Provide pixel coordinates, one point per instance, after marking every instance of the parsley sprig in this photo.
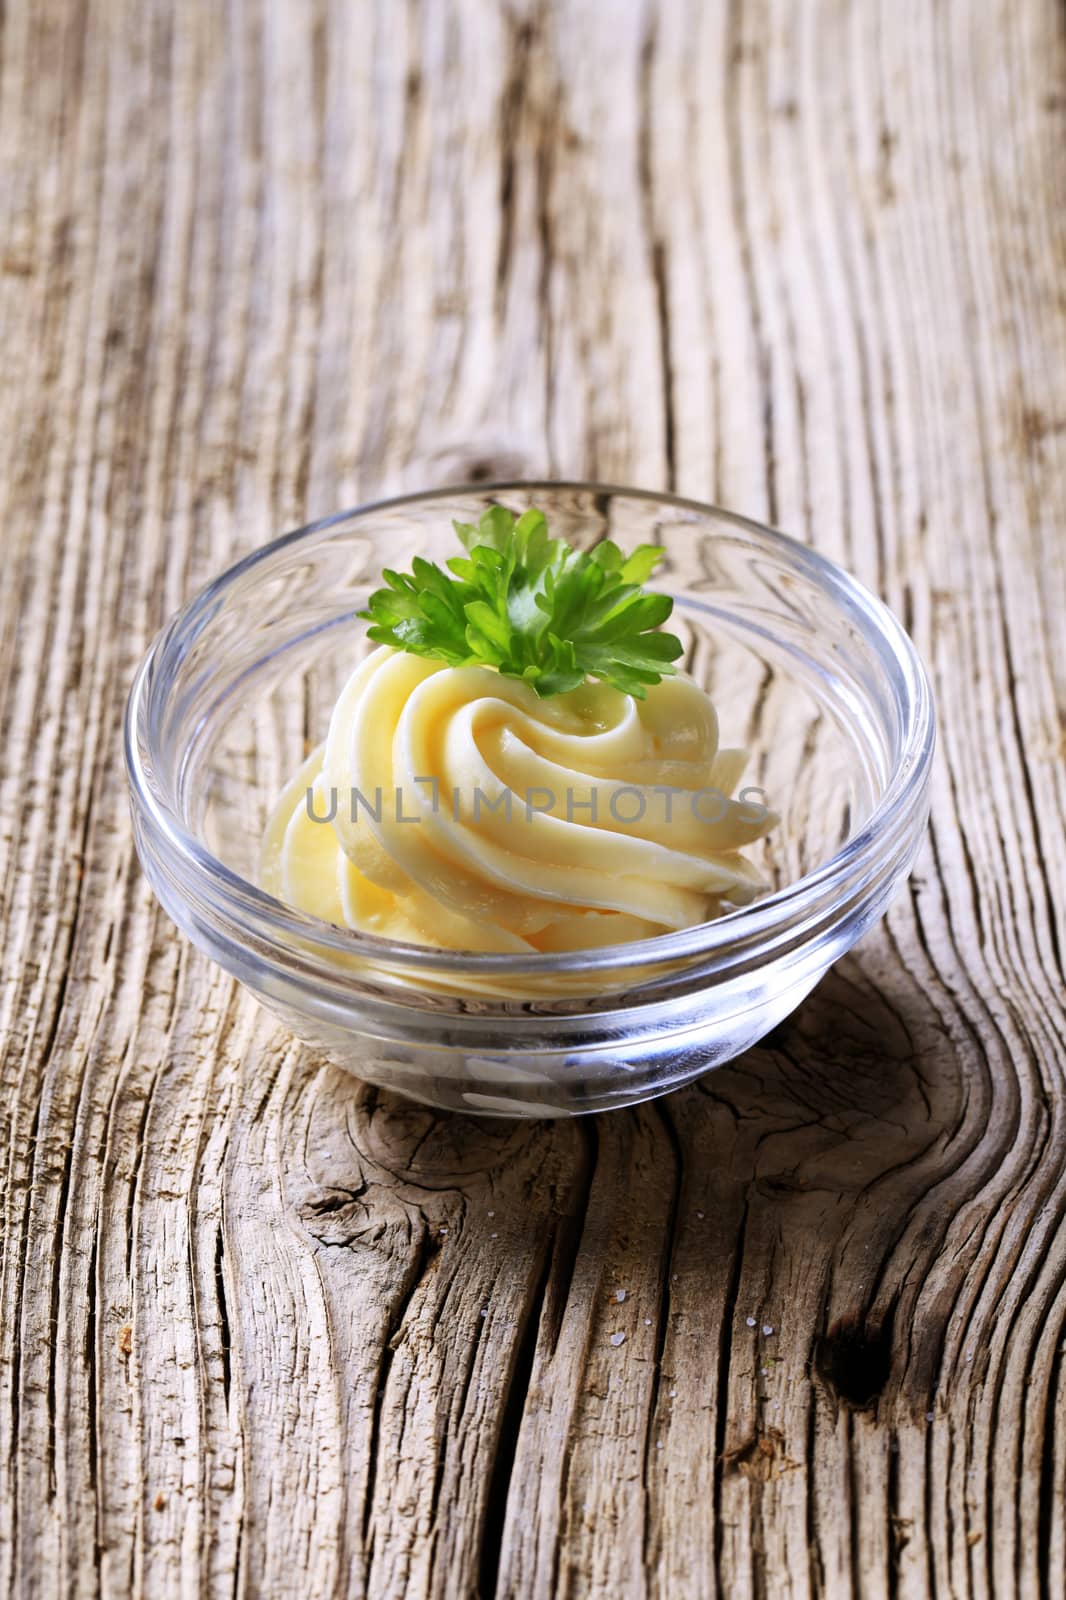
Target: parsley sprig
(532, 607)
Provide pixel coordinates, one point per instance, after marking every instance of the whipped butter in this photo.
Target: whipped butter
(453, 807)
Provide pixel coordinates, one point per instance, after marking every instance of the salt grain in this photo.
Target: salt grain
(485, 1312)
(928, 1416)
(647, 1322)
(617, 1339)
(767, 1330)
(750, 1321)
(494, 1236)
(620, 1295)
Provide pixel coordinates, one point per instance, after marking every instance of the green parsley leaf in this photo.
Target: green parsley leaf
(532, 607)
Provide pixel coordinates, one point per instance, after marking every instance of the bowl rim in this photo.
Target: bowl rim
(874, 851)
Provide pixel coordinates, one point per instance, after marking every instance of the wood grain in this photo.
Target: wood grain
(265, 1332)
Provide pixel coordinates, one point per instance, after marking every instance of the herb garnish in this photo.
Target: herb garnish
(532, 607)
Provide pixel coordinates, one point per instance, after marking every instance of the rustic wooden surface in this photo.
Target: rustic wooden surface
(264, 1332)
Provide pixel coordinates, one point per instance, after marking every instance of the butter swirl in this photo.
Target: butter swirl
(452, 807)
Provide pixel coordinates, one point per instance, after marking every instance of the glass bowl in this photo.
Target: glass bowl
(805, 668)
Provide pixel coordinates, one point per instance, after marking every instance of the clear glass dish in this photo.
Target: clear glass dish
(805, 668)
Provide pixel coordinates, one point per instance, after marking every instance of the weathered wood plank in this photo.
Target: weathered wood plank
(262, 1330)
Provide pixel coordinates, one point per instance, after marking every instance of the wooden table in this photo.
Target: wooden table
(266, 1332)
